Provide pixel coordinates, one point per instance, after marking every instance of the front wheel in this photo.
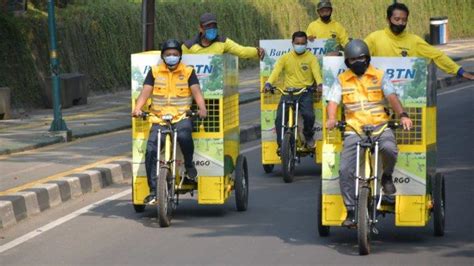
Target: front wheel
(363, 221)
(323, 230)
(288, 157)
(268, 168)
(241, 184)
(439, 196)
(165, 197)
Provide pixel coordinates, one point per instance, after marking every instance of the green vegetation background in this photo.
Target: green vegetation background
(96, 37)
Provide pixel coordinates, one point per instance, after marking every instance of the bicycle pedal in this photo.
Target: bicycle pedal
(375, 230)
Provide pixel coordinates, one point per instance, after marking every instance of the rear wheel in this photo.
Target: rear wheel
(288, 157)
(322, 229)
(363, 221)
(139, 208)
(268, 168)
(439, 197)
(241, 187)
(165, 197)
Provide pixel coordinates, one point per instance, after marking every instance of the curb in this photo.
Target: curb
(32, 201)
(29, 202)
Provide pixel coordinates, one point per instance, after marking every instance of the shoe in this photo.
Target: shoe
(279, 152)
(191, 172)
(350, 219)
(388, 187)
(310, 143)
(150, 199)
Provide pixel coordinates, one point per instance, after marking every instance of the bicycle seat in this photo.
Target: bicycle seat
(292, 90)
(167, 117)
(368, 129)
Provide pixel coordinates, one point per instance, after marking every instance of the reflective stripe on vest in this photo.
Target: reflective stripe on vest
(363, 98)
(171, 92)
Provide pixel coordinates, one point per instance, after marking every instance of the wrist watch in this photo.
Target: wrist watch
(403, 114)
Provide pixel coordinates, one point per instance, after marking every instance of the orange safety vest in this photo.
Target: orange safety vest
(171, 92)
(363, 98)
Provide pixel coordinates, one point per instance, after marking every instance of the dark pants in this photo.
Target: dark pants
(306, 111)
(185, 140)
(347, 170)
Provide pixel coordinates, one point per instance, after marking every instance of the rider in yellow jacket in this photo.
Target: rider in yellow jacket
(395, 41)
(208, 41)
(325, 27)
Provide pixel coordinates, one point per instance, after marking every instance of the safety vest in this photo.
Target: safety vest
(171, 92)
(363, 98)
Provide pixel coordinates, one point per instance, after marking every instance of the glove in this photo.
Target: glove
(268, 87)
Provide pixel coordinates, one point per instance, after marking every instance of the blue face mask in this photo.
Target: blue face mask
(299, 48)
(171, 60)
(211, 34)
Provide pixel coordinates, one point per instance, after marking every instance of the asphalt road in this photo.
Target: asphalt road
(279, 227)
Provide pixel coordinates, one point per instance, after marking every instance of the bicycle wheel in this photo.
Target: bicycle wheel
(165, 199)
(268, 168)
(323, 230)
(288, 157)
(241, 185)
(438, 194)
(363, 221)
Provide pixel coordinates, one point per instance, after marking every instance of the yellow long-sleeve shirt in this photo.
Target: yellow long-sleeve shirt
(385, 43)
(220, 46)
(300, 70)
(333, 29)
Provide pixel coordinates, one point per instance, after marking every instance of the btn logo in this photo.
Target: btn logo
(202, 163)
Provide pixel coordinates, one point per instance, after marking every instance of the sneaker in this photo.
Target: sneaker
(310, 144)
(150, 199)
(191, 172)
(388, 187)
(350, 219)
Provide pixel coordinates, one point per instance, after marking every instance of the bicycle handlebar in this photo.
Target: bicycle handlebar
(290, 91)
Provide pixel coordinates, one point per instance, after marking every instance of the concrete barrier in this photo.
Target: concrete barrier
(5, 103)
(74, 90)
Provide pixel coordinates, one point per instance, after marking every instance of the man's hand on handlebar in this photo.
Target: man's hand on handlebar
(202, 113)
(406, 123)
(331, 124)
(268, 88)
(137, 113)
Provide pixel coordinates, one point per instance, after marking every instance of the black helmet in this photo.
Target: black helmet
(323, 4)
(171, 44)
(356, 48)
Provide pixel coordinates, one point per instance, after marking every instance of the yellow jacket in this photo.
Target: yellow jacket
(333, 29)
(300, 70)
(385, 43)
(363, 98)
(171, 92)
(220, 46)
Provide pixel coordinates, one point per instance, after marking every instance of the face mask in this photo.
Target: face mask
(211, 34)
(171, 60)
(299, 48)
(326, 19)
(397, 29)
(358, 67)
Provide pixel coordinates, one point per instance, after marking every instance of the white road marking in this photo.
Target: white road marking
(59, 221)
(455, 90)
(250, 149)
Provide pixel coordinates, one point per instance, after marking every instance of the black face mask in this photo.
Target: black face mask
(397, 29)
(359, 68)
(326, 18)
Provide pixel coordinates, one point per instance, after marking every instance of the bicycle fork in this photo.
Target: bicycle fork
(291, 124)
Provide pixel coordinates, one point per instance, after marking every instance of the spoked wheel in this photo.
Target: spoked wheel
(139, 208)
(241, 184)
(268, 168)
(322, 229)
(288, 157)
(165, 197)
(439, 197)
(363, 221)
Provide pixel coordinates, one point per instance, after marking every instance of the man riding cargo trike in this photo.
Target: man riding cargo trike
(176, 150)
(361, 176)
(290, 102)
